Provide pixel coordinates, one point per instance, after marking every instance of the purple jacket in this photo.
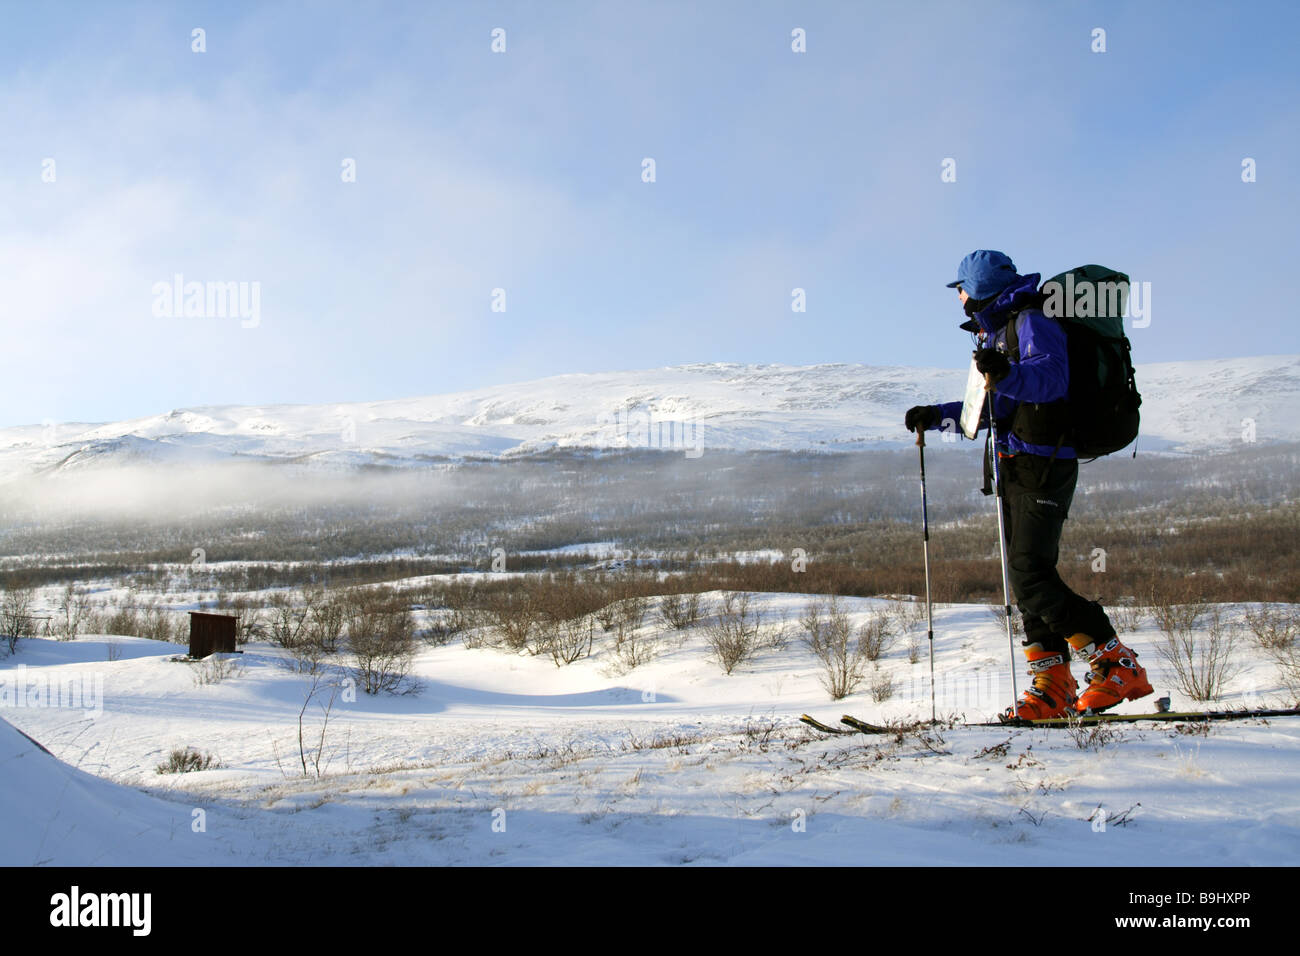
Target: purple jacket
(1041, 375)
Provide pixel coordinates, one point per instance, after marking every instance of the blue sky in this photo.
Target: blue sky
(522, 170)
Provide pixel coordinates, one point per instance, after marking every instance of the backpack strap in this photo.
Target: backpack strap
(1034, 422)
(1013, 337)
(1012, 340)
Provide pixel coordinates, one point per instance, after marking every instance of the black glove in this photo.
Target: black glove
(993, 364)
(921, 416)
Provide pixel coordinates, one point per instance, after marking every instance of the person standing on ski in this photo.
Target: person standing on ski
(1023, 356)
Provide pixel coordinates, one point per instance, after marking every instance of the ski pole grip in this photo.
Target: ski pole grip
(920, 437)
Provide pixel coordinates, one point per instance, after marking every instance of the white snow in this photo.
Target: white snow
(505, 759)
(1186, 406)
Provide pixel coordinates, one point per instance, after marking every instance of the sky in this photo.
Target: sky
(372, 173)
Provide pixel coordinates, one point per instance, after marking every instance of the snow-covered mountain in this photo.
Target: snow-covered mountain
(1187, 406)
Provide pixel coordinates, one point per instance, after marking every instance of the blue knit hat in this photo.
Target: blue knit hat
(984, 273)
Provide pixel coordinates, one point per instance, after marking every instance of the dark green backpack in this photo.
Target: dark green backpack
(1101, 414)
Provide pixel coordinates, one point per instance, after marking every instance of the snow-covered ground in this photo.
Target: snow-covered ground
(507, 759)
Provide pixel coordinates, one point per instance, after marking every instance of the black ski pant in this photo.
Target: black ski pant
(1036, 496)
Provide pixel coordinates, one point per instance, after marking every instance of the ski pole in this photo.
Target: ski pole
(925, 547)
(1002, 547)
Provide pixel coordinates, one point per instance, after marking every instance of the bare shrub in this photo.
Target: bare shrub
(16, 621)
(1201, 659)
(558, 619)
(704, 611)
(908, 619)
(999, 613)
(307, 752)
(881, 685)
(248, 625)
(249, 622)
(1175, 609)
(1288, 663)
(150, 619)
(679, 611)
(566, 640)
(476, 638)
(380, 636)
(607, 616)
(1092, 735)
(187, 760)
(325, 623)
(632, 612)
(829, 635)
(216, 668)
(288, 621)
(565, 596)
(634, 648)
(73, 613)
(679, 740)
(905, 615)
(876, 636)
(913, 647)
(733, 633)
(513, 617)
(1127, 617)
(308, 657)
(119, 621)
(449, 614)
(1194, 728)
(1274, 628)
(464, 620)
(461, 615)
(440, 629)
(159, 623)
(1276, 631)
(777, 636)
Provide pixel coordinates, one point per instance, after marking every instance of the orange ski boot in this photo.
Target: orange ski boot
(1116, 675)
(1052, 693)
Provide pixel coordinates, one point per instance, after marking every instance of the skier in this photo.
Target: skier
(1038, 481)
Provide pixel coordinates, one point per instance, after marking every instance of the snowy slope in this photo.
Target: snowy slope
(671, 763)
(1219, 403)
(1187, 405)
(55, 814)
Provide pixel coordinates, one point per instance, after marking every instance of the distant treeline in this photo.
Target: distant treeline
(1227, 523)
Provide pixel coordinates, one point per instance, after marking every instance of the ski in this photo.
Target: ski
(863, 727)
(1173, 716)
